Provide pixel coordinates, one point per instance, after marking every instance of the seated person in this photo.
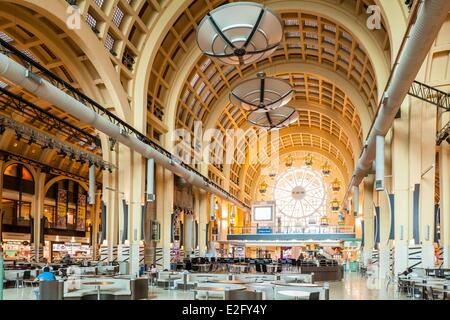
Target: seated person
(63, 273)
(45, 276)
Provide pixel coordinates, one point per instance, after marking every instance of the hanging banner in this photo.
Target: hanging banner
(61, 218)
(81, 213)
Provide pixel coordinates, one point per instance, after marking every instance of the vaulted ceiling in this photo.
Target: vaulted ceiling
(334, 74)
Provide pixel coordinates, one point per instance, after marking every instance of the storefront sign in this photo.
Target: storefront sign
(264, 230)
(81, 214)
(61, 220)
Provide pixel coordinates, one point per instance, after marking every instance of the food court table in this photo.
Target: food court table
(231, 282)
(294, 293)
(239, 267)
(204, 267)
(98, 284)
(272, 268)
(206, 276)
(217, 289)
(294, 284)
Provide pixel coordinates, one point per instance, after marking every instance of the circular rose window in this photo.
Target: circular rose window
(300, 193)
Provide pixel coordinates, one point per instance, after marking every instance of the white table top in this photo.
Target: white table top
(297, 284)
(294, 293)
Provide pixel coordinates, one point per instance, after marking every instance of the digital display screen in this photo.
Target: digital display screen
(263, 213)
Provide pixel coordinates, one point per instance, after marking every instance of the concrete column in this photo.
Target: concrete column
(368, 213)
(444, 175)
(427, 183)
(401, 190)
(159, 190)
(385, 215)
(203, 218)
(95, 211)
(166, 223)
(135, 210)
(37, 210)
(111, 197)
(188, 233)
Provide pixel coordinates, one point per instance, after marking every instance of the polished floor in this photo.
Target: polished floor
(353, 287)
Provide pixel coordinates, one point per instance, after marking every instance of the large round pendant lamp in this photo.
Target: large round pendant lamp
(261, 94)
(278, 118)
(239, 33)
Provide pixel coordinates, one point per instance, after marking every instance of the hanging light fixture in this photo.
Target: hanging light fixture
(263, 187)
(289, 161)
(309, 160)
(334, 205)
(272, 172)
(279, 118)
(261, 93)
(336, 185)
(239, 33)
(324, 221)
(326, 169)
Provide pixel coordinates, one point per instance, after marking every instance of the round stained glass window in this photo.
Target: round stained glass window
(300, 193)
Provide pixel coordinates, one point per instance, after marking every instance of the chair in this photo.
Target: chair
(243, 295)
(264, 268)
(51, 290)
(26, 276)
(139, 289)
(439, 273)
(19, 281)
(428, 294)
(314, 295)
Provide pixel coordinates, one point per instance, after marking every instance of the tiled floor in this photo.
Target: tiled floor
(353, 287)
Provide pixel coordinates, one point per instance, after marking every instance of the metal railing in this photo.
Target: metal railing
(290, 230)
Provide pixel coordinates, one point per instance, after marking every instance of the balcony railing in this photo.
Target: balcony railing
(291, 230)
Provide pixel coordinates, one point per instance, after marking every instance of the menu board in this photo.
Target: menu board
(71, 248)
(61, 220)
(81, 214)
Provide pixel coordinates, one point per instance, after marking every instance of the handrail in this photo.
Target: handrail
(293, 229)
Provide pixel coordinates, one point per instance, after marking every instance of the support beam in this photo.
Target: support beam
(379, 164)
(444, 180)
(203, 218)
(368, 212)
(400, 188)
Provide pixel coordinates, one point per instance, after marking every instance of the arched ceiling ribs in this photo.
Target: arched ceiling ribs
(88, 49)
(223, 75)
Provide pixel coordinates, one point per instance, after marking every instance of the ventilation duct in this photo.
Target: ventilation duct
(16, 73)
(419, 38)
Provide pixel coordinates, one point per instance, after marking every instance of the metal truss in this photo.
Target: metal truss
(6, 155)
(435, 97)
(45, 141)
(15, 103)
(431, 95)
(39, 70)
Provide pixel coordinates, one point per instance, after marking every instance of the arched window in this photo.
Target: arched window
(65, 206)
(18, 170)
(17, 209)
